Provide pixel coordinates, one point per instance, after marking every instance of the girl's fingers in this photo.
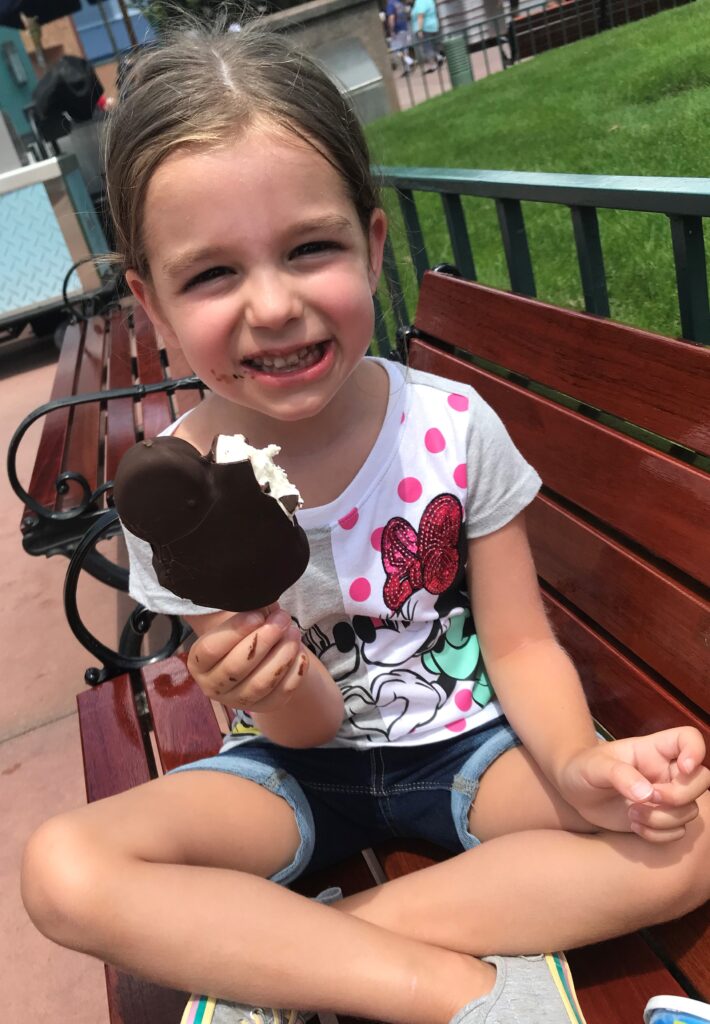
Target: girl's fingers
(252, 657)
(684, 745)
(257, 665)
(692, 749)
(684, 788)
(285, 685)
(262, 689)
(209, 649)
(605, 772)
(662, 818)
(653, 835)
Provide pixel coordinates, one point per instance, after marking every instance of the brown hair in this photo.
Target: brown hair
(201, 87)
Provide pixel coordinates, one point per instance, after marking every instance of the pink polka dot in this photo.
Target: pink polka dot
(409, 489)
(457, 726)
(434, 440)
(463, 700)
(458, 402)
(460, 475)
(360, 589)
(348, 521)
(376, 538)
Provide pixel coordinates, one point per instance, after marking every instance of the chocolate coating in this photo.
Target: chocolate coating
(217, 539)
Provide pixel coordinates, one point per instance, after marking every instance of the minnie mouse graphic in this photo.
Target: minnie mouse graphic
(421, 671)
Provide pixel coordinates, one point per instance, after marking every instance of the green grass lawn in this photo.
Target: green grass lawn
(634, 100)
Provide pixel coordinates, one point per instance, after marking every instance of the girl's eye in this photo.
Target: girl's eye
(314, 248)
(207, 275)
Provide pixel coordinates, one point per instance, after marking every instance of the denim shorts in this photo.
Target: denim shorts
(346, 800)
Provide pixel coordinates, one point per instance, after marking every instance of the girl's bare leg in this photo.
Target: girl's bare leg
(164, 881)
(538, 883)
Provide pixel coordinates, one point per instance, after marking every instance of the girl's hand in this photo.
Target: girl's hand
(647, 784)
(252, 661)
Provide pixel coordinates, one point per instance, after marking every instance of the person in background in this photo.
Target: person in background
(399, 36)
(425, 29)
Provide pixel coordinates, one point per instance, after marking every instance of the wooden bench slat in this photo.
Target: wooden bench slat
(655, 382)
(115, 760)
(623, 698)
(50, 451)
(686, 943)
(352, 875)
(183, 719)
(654, 499)
(157, 411)
(614, 586)
(615, 980)
(85, 437)
(120, 414)
(134, 1001)
(111, 739)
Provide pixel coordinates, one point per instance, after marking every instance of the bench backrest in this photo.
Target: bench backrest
(620, 530)
(89, 440)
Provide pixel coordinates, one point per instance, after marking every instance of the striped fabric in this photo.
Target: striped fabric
(199, 1010)
(562, 977)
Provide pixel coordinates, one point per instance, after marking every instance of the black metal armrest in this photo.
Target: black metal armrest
(127, 658)
(90, 499)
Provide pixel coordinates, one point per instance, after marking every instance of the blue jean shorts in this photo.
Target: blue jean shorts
(346, 800)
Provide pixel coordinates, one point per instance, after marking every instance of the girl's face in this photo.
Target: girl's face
(260, 271)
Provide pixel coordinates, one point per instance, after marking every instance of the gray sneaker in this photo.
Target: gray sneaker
(206, 1010)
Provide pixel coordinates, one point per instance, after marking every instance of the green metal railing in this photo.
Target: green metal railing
(685, 201)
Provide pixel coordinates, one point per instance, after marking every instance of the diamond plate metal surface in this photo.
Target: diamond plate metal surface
(33, 253)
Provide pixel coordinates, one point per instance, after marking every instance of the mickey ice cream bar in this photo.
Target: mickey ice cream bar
(221, 526)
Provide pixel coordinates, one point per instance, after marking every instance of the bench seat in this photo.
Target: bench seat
(616, 421)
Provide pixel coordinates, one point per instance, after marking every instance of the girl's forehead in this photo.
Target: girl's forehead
(259, 183)
(269, 149)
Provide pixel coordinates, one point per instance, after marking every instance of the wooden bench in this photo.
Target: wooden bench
(115, 383)
(81, 444)
(620, 539)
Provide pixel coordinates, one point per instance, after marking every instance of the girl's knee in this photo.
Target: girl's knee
(61, 871)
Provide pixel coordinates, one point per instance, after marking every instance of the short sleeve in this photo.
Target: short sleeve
(143, 585)
(500, 483)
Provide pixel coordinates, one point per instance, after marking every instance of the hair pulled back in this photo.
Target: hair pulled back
(202, 87)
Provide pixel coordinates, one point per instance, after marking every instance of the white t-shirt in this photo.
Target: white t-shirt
(383, 601)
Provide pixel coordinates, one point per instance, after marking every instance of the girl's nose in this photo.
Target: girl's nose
(272, 300)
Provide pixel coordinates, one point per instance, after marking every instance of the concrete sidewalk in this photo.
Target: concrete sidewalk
(40, 757)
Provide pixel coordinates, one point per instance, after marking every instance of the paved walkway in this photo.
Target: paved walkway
(40, 756)
(417, 87)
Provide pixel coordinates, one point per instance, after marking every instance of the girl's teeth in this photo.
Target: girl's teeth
(302, 359)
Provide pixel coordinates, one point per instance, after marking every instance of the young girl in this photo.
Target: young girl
(409, 684)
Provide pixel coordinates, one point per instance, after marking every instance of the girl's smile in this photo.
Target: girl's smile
(285, 366)
(265, 278)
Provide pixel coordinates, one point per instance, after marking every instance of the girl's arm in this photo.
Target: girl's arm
(533, 678)
(648, 784)
(255, 661)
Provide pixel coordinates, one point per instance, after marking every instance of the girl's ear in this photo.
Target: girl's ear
(145, 295)
(376, 238)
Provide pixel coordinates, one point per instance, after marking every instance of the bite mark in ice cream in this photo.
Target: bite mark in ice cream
(270, 477)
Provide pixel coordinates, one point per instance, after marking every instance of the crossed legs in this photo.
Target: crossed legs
(168, 881)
